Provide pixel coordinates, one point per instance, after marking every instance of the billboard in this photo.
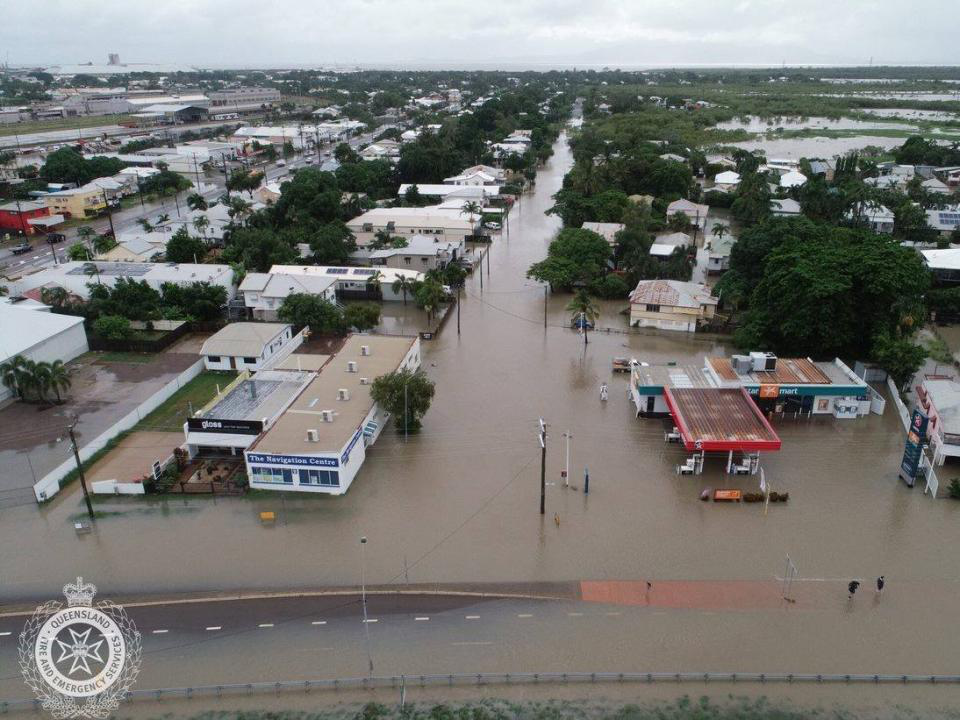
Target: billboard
(913, 449)
(236, 427)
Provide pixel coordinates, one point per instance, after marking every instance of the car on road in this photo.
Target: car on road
(308, 160)
(580, 322)
(281, 163)
(55, 237)
(492, 225)
(22, 248)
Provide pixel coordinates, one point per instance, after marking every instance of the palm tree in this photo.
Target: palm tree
(719, 229)
(584, 311)
(196, 201)
(103, 243)
(4, 290)
(145, 224)
(201, 223)
(403, 284)
(470, 209)
(163, 219)
(58, 378)
(53, 296)
(373, 282)
(11, 373)
(79, 251)
(239, 208)
(90, 269)
(85, 232)
(40, 378)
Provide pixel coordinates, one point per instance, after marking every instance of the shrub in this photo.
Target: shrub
(112, 327)
(610, 287)
(955, 489)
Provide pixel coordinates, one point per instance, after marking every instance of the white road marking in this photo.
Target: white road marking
(319, 622)
(372, 620)
(525, 615)
(473, 642)
(265, 625)
(215, 627)
(4, 634)
(575, 614)
(472, 617)
(613, 613)
(160, 632)
(421, 619)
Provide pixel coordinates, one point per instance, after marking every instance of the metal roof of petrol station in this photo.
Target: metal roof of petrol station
(713, 419)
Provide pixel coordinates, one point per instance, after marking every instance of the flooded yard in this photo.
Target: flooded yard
(816, 147)
(764, 125)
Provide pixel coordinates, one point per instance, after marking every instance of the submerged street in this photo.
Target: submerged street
(459, 503)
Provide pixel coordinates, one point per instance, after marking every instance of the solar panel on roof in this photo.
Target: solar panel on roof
(364, 272)
(124, 269)
(337, 271)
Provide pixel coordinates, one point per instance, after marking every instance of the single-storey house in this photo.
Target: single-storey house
(785, 208)
(244, 345)
(726, 181)
(697, 214)
(608, 231)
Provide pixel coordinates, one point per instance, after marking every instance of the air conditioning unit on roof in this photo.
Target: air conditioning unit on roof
(343, 394)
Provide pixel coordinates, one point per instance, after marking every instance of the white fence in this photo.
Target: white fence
(898, 403)
(49, 484)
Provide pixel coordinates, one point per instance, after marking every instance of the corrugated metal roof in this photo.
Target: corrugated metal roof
(719, 419)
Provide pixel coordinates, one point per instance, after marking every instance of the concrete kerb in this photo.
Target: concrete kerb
(21, 610)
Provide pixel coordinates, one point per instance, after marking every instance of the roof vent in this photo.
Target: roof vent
(313, 435)
(343, 394)
(351, 366)
(364, 381)
(326, 415)
(364, 349)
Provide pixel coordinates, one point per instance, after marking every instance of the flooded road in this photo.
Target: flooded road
(459, 501)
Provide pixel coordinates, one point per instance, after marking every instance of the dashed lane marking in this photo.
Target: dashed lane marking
(472, 617)
(160, 632)
(265, 625)
(4, 634)
(613, 613)
(473, 642)
(421, 619)
(319, 622)
(372, 620)
(215, 627)
(525, 615)
(574, 614)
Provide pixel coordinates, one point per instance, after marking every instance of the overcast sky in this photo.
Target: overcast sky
(278, 33)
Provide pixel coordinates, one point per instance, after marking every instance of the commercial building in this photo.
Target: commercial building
(671, 305)
(478, 175)
(244, 345)
(263, 293)
(354, 283)
(172, 113)
(478, 193)
(74, 277)
(940, 400)
(782, 386)
(410, 221)
(16, 216)
(319, 443)
(83, 202)
(37, 334)
(421, 253)
(243, 99)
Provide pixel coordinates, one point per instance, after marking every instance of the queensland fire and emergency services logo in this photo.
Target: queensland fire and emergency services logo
(81, 659)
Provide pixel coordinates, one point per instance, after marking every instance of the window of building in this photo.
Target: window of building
(213, 358)
(280, 476)
(424, 260)
(653, 308)
(406, 260)
(250, 360)
(322, 478)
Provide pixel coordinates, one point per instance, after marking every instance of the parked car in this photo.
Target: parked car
(580, 322)
(22, 248)
(492, 225)
(55, 237)
(281, 163)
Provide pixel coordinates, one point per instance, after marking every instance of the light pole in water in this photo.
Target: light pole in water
(363, 600)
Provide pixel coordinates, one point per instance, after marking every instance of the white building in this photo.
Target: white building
(664, 245)
(421, 253)
(75, 277)
(354, 281)
(243, 98)
(410, 221)
(726, 181)
(608, 231)
(478, 175)
(785, 208)
(479, 193)
(263, 293)
(320, 442)
(244, 345)
(671, 305)
(877, 217)
(37, 334)
(793, 178)
(944, 221)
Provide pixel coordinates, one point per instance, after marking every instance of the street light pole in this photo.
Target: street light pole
(363, 596)
(405, 411)
(543, 466)
(566, 473)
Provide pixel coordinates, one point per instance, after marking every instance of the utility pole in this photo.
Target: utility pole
(481, 273)
(109, 213)
(83, 480)
(566, 473)
(405, 412)
(143, 210)
(543, 466)
(363, 596)
(459, 287)
(545, 289)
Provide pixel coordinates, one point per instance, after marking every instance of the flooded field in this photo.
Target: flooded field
(913, 114)
(764, 125)
(816, 147)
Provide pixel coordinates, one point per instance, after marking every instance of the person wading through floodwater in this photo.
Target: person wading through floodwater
(852, 588)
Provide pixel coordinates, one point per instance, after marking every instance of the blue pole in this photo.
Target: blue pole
(586, 481)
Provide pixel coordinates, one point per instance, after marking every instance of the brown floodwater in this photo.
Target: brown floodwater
(459, 501)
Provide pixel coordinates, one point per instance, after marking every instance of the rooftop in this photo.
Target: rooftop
(288, 435)
(259, 397)
(411, 217)
(719, 419)
(245, 339)
(945, 396)
(947, 259)
(355, 274)
(789, 371)
(673, 293)
(24, 328)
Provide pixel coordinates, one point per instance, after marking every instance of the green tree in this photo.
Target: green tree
(258, 249)
(345, 154)
(112, 327)
(406, 395)
(13, 372)
(103, 243)
(200, 223)
(288, 150)
(752, 203)
(575, 255)
(720, 229)
(332, 243)
(899, 356)
(58, 378)
(79, 252)
(182, 248)
(318, 313)
(196, 201)
(404, 285)
(55, 297)
(583, 311)
(362, 316)
(428, 296)
(198, 300)
(679, 222)
(471, 209)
